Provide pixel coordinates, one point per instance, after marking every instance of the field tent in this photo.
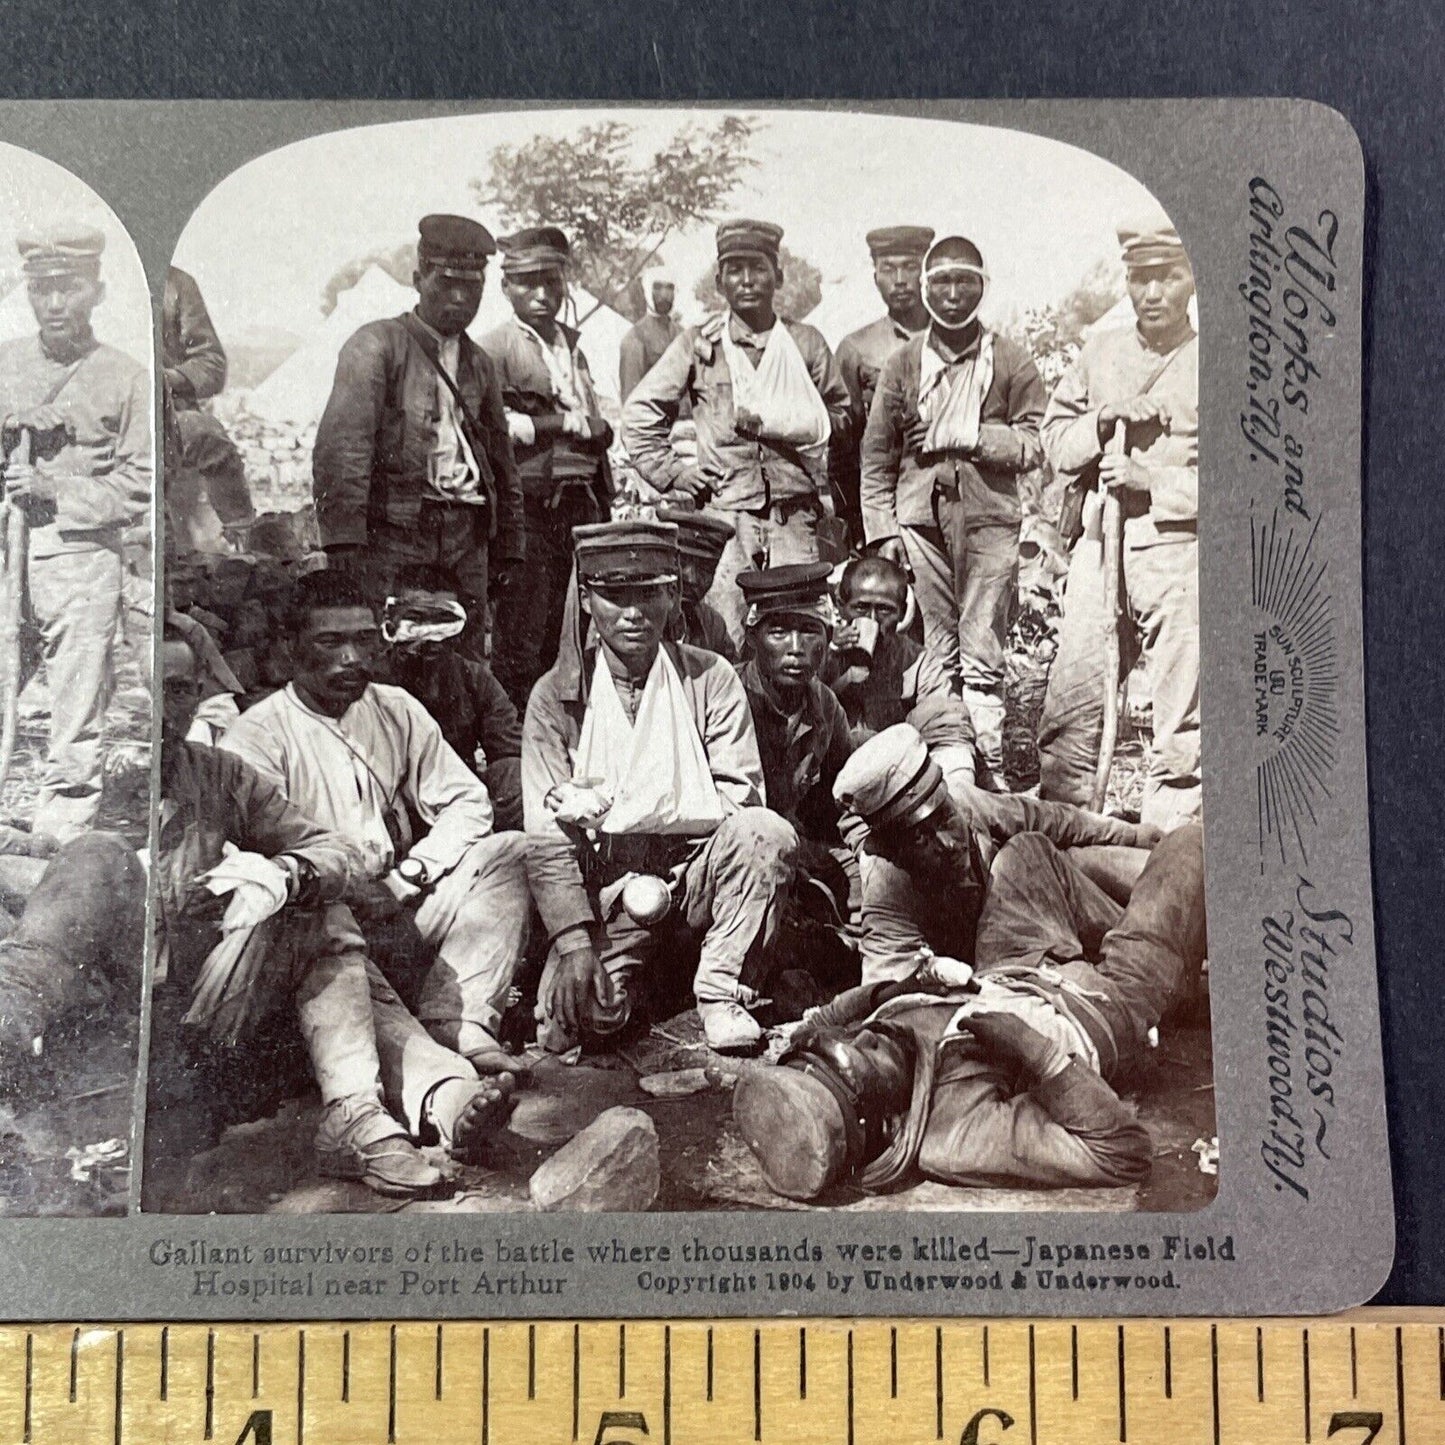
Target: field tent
(295, 393)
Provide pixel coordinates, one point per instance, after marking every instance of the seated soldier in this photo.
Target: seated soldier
(802, 733)
(368, 761)
(424, 618)
(1004, 1078)
(701, 538)
(639, 758)
(283, 890)
(882, 676)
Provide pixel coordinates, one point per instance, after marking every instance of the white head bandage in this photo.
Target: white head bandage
(406, 624)
(936, 264)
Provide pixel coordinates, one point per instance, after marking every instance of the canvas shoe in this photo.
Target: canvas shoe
(729, 1027)
(358, 1139)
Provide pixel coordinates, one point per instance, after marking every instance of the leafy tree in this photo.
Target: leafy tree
(1054, 333)
(616, 208)
(399, 262)
(800, 292)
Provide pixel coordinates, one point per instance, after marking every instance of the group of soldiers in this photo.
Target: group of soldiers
(607, 763)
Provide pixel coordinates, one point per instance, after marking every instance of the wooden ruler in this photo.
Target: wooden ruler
(1369, 1378)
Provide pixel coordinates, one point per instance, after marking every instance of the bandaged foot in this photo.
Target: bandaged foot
(358, 1139)
(1008, 1037)
(468, 1113)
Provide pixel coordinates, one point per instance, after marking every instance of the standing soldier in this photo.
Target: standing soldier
(77, 443)
(210, 474)
(561, 445)
(412, 461)
(643, 346)
(1146, 378)
(766, 397)
(953, 424)
(898, 253)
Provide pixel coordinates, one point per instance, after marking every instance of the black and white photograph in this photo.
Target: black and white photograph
(681, 675)
(76, 636)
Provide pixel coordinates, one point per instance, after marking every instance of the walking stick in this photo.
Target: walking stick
(1113, 527)
(12, 597)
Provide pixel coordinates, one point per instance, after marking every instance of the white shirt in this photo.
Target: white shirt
(452, 469)
(386, 753)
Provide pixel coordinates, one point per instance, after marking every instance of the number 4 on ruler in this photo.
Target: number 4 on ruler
(257, 1429)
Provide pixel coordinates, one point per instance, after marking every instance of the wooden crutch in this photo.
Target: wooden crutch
(1113, 529)
(12, 602)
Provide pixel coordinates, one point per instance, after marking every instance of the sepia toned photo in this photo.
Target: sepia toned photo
(681, 676)
(76, 610)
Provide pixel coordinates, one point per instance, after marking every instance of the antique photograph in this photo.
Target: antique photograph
(681, 673)
(76, 637)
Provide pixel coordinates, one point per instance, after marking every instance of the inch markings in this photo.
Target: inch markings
(1354, 1381)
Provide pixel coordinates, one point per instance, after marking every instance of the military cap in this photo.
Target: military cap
(457, 245)
(800, 589)
(534, 248)
(891, 778)
(797, 1128)
(621, 552)
(699, 534)
(62, 249)
(954, 253)
(1147, 238)
(742, 237)
(899, 241)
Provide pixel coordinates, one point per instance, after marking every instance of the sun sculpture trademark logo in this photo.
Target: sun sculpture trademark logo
(1295, 685)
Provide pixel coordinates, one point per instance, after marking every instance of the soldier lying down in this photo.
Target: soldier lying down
(999, 1073)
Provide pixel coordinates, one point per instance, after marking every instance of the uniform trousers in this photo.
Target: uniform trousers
(1160, 617)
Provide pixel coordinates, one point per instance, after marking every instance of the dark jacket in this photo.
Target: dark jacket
(801, 753)
(378, 429)
(899, 477)
(191, 352)
(527, 389)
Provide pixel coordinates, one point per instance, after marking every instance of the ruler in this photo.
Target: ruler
(1368, 1378)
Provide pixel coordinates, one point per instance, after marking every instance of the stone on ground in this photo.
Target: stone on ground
(612, 1165)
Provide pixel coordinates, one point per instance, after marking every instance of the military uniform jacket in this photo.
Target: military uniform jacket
(900, 477)
(1116, 366)
(379, 429)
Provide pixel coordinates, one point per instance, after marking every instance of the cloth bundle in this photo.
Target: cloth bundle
(950, 398)
(656, 769)
(779, 390)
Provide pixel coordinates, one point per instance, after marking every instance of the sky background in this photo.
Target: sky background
(263, 244)
(37, 192)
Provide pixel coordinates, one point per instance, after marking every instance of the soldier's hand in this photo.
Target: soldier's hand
(747, 423)
(1136, 409)
(689, 484)
(1147, 835)
(578, 978)
(1120, 471)
(24, 483)
(44, 417)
